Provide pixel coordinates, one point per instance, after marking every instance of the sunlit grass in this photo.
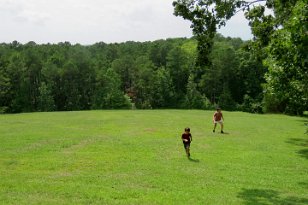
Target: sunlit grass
(137, 157)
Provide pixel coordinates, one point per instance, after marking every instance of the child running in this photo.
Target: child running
(187, 138)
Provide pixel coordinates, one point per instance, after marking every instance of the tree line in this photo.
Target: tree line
(158, 74)
(142, 75)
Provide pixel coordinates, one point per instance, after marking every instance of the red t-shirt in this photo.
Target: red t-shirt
(186, 136)
(217, 116)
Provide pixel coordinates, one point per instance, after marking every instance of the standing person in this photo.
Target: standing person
(218, 118)
(187, 138)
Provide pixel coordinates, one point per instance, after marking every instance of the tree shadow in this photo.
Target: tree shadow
(304, 184)
(303, 153)
(303, 120)
(267, 196)
(298, 142)
(302, 143)
(193, 160)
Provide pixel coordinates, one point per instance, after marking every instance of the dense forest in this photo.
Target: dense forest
(142, 75)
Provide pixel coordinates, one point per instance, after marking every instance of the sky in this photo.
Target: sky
(90, 21)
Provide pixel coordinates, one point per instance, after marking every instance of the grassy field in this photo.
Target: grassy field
(137, 157)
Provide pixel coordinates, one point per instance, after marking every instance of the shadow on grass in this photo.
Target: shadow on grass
(303, 120)
(218, 133)
(304, 184)
(302, 143)
(303, 153)
(267, 196)
(193, 160)
(298, 142)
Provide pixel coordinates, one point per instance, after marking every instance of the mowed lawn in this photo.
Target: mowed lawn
(137, 157)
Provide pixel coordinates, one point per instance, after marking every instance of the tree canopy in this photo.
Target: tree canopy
(158, 74)
(280, 34)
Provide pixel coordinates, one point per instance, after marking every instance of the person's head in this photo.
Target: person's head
(187, 129)
(218, 109)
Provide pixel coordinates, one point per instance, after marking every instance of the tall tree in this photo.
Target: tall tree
(163, 92)
(5, 86)
(126, 69)
(287, 59)
(45, 99)
(143, 86)
(223, 74)
(282, 38)
(205, 17)
(194, 99)
(15, 72)
(178, 64)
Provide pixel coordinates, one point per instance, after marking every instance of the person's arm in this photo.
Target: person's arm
(190, 137)
(183, 138)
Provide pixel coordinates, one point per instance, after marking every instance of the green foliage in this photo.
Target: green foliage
(280, 41)
(250, 73)
(5, 86)
(178, 65)
(109, 95)
(109, 76)
(163, 92)
(194, 99)
(158, 53)
(46, 101)
(271, 104)
(251, 105)
(287, 60)
(225, 100)
(125, 67)
(205, 16)
(202, 26)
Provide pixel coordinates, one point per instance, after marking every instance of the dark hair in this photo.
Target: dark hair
(187, 129)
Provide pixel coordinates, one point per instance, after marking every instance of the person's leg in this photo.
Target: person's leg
(221, 127)
(214, 126)
(187, 149)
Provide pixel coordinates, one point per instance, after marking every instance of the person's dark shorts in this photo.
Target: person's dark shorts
(186, 144)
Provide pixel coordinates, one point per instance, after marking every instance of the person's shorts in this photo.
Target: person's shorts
(186, 144)
(220, 122)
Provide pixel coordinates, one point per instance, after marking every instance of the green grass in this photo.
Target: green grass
(137, 157)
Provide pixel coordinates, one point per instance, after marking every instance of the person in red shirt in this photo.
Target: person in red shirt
(218, 118)
(187, 138)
